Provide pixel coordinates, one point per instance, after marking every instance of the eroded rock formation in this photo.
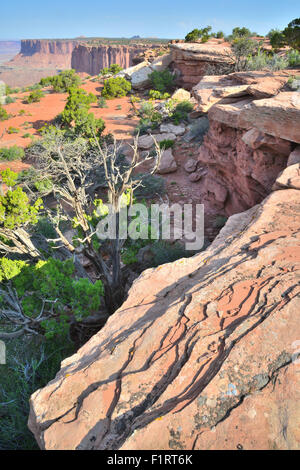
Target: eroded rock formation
(201, 355)
(250, 136)
(39, 53)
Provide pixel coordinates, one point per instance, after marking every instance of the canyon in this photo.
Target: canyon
(41, 57)
(203, 352)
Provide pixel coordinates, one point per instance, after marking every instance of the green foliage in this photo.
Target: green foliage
(293, 56)
(166, 144)
(149, 117)
(13, 130)
(241, 33)
(12, 153)
(9, 90)
(276, 38)
(102, 102)
(34, 97)
(15, 208)
(3, 114)
(157, 95)
(162, 81)
(115, 87)
(52, 281)
(292, 34)
(62, 82)
(220, 35)
(113, 69)
(181, 111)
(243, 48)
(76, 115)
(10, 99)
(197, 34)
(262, 60)
(31, 364)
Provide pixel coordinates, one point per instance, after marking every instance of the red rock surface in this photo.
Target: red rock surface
(191, 59)
(202, 355)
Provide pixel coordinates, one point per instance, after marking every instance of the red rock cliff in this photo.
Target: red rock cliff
(45, 53)
(91, 59)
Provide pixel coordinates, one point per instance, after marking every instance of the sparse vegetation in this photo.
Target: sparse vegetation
(115, 88)
(162, 81)
(4, 114)
(34, 97)
(12, 153)
(62, 82)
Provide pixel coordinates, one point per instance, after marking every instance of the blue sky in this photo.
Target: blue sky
(125, 18)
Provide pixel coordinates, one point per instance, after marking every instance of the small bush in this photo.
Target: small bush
(4, 114)
(293, 57)
(12, 153)
(157, 95)
(13, 130)
(10, 99)
(115, 88)
(27, 135)
(163, 81)
(102, 102)
(62, 82)
(166, 144)
(181, 111)
(22, 112)
(34, 97)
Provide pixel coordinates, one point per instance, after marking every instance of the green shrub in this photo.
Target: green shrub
(181, 111)
(115, 68)
(166, 144)
(62, 82)
(162, 81)
(30, 365)
(34, 97)
(102, 102)
(157, 95)
(76, 117)
(12, 153)
(293, 57)
(27, 135)
(22, 112)
(115, 87)
(9, 100)
(196, 34)
(4, 114)
(13, 130)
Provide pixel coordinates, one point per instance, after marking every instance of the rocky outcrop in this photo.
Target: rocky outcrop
(250, 136)
(191, 60)
(39, 53)
(202, 355)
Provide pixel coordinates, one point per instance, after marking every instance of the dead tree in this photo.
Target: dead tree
(72, 166)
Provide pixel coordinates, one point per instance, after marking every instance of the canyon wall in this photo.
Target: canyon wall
(91, 59)
(39, 53)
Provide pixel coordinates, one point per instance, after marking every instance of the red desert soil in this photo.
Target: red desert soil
(37, 114)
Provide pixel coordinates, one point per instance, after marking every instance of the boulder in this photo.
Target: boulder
(147, 141)
(172, 129)
(181, 95)
(201, 355)
(294, 157)
(288, 178)
(191, 165)
(137, 74)
(195, 176)
(167, 163)
(161, 63)
(213, 88)
(256, 139)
